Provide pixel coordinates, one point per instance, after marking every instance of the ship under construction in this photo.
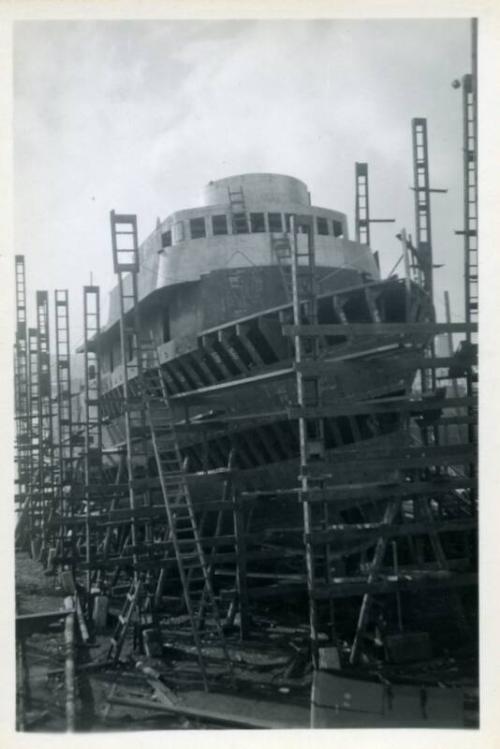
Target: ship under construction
(268, 440)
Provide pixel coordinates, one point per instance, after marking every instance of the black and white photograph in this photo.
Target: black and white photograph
(243, 351)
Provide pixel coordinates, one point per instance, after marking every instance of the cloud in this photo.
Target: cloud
(138, 116)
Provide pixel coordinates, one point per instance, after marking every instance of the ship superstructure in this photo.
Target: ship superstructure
(215, 288)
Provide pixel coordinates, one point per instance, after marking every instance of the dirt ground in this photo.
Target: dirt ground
(259, 676)
(270, 669)
(38, 593)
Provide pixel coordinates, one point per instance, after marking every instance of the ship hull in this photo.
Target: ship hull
(234, 388)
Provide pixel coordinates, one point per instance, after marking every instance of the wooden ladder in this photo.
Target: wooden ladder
(282, 252)
(237, 209)
(124, 617)
(194, 570)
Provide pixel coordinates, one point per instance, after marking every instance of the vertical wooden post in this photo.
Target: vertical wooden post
(241, 565)
(442, 563)
(305, 348)
(407, 267)
(69, 671)
(389, 515)
(395, 563)
(22, 684)
(328, 575)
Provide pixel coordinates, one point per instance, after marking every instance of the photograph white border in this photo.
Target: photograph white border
(488, 13)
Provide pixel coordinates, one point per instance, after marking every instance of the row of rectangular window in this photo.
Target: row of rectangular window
(197, 226)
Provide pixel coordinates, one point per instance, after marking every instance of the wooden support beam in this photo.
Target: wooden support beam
(124, 516)
(454, 420)
(28, 624)
(375, 491)
(354, 587)
(210, 541)
(149, 562)
(412, 359)
(379, 329)
(433, 460)
(412, 406)
(411, 456)
(371, 299)
(269, 375)
(432, 580)
(349, 531)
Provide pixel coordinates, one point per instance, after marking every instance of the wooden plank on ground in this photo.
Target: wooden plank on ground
(228, 710)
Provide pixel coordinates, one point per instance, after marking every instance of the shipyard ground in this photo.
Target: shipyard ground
(271, 685)
(265, 695)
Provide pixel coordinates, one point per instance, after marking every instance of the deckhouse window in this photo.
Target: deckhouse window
(166, 239)
(322, 225)
(219, 225)
(257, 222)
(338, 229)
(240, 225)
(275, 222)
(197, 228)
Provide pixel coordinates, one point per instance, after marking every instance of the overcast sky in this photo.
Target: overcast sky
(138, 116)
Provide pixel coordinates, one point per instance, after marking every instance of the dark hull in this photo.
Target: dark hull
(235, 387)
